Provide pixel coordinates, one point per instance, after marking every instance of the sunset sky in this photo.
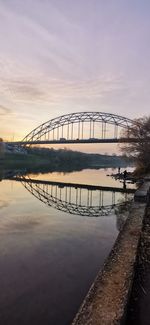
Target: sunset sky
(63, 56)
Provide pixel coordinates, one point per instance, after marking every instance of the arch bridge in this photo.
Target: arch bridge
(82, 127)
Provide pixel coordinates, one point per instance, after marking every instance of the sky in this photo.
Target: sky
(63, 56)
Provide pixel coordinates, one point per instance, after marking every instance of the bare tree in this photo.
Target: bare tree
(139, 143)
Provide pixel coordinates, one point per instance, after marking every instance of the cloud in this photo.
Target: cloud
(35, 87)
(24, 90)
(5, 110)
(22, 87)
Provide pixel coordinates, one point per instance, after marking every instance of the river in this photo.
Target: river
(54, 240)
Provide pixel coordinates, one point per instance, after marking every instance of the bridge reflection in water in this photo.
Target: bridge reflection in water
(77, 199)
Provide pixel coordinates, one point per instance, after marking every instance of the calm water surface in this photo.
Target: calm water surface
(49, 257)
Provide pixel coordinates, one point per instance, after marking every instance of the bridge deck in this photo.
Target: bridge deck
(67, 141)
(74, 185)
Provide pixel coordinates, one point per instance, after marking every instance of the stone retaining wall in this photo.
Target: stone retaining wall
(107, 299)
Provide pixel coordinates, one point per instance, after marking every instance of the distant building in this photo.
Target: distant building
(10, 149)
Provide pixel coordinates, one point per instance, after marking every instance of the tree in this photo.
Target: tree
(139, 143)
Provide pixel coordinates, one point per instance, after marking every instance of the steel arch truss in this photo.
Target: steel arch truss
(81, 117)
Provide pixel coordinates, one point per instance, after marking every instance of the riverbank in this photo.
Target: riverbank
(107, 300)
(41, 159)
(138, 308)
